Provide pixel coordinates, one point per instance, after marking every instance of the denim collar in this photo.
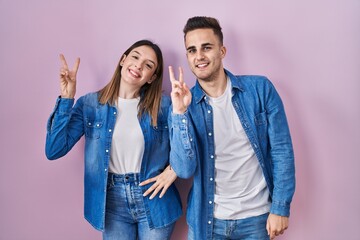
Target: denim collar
(199, 94)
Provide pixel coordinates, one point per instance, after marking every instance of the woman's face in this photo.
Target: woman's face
(138, 67)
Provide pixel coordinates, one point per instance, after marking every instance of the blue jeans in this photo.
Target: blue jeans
(125, 216)
(253, 228)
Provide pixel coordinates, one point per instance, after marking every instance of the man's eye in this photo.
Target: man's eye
(136, 57)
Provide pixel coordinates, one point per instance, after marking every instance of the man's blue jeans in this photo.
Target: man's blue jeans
(125, 216)
(253, 228)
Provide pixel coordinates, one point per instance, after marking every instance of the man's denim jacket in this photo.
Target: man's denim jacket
(262, 116)
(67, 124)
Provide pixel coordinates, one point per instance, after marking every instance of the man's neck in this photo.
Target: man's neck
(216, 87)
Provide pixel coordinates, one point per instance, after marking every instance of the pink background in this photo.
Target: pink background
(309, 49)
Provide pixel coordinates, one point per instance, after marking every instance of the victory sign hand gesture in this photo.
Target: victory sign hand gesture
(68, 78)
(180, 92)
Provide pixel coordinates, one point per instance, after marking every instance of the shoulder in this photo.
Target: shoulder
(255, 83)
(165, 101)
(90, 99)
(248, 81)
(253, 79)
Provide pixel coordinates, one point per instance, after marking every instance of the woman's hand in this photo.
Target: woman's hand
(180, 92)
(161, 182)
(68, 78)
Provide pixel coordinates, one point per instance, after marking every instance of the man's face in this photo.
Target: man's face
(204, 54)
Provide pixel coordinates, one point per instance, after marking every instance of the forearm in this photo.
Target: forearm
(59, 137)
(182, 154)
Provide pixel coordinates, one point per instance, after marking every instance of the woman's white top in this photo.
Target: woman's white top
(127, 147)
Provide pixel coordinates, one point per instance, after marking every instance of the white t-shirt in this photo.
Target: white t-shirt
(127, 147)
(240, 187)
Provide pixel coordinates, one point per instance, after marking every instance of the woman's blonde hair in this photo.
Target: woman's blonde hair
(150, 94)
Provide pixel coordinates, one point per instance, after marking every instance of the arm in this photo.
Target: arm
(182, 154)
(281, 153)
(283, 167)
(179, 140)
(64, 127)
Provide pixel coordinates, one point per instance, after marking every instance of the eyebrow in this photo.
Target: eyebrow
(202, 45)
(147, 59)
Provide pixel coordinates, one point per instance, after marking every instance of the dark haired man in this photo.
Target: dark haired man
(231, 134)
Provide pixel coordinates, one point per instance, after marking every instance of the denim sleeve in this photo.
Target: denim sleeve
(64, 128)
(282, 154)
(182, 153)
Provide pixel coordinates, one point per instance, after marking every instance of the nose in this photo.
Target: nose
(139, 65)
(199, 55)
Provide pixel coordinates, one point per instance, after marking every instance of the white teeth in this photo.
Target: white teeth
(202, 65)
(134, 73)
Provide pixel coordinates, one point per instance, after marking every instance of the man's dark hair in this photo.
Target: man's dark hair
(199, 22)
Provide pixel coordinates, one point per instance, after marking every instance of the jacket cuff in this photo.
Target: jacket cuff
(281, 209)
(64, 105)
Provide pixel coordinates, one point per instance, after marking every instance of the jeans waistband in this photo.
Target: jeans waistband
(124, 178)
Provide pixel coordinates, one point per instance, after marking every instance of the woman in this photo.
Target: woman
(126, 142)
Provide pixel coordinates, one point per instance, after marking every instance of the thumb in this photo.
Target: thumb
(268, 229)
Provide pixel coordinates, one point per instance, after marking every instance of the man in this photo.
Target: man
(231, 134)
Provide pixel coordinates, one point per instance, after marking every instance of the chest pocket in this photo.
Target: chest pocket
(261, 125)
(161, 132)
(93, 128)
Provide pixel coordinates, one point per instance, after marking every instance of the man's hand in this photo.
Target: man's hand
(161, 182)
(276, 225)
(180, 93)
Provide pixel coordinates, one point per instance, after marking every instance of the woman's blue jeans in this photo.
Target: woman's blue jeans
(125, 216)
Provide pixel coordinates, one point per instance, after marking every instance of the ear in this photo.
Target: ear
(122, 60)
(152, 79)
(223, 51)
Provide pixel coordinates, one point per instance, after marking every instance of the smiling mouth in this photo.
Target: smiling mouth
(202, 65)
(133, 73)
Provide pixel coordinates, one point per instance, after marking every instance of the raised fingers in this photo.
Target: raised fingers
(181, 75)
(63, 62)
(171, 74)
(76, 65)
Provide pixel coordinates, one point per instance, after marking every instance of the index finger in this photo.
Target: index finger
(181, 75)
(76, 65)
(150, 180)
(63, 61)
(171, 74)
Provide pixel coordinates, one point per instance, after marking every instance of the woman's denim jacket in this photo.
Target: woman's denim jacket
(67, 124)
(262, 116)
